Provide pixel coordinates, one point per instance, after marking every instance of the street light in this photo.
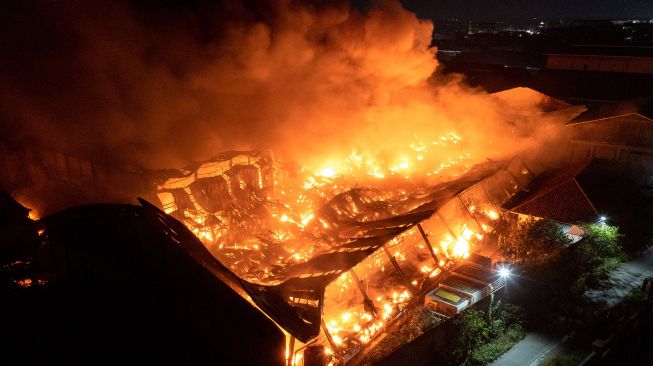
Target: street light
(504, 272)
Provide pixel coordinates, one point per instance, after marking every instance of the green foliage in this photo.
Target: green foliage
(625, 194)
(532, 241)
(553, 299)
(601, 241)
(493, 349)
(484, 336)
(596, 255)
(472, 331)
(509, 314)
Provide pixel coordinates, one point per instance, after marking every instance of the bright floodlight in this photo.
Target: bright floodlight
(602, 218)
(504, 272)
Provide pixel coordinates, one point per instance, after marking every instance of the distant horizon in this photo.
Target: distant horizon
(541, 19)
(528, 10)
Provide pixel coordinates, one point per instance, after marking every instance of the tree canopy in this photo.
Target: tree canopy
(532, 241)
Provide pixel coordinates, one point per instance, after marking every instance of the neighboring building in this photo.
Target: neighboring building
(590, 87)
(621, 132)
(558, 196)
(584, 192)
(628, 64)
(638, 60)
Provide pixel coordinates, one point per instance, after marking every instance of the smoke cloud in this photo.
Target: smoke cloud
(164, 85)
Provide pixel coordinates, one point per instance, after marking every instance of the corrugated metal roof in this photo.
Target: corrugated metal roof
(477, 273)
(463, 284)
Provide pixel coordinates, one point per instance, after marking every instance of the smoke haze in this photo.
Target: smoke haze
(165, 85)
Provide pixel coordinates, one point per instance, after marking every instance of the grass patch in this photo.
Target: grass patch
(483, 336)
(494, 348)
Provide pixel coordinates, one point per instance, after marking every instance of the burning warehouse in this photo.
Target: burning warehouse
(333, 279)
(336, 280)
(336, 275)
(354, 182)
(304, 261)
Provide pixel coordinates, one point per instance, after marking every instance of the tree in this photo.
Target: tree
(532, 241)
(601, 241)
(596, 254)
(482, 336)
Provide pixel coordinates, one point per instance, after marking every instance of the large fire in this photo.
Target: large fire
(345, 122)
(272, 217)
(356, 176)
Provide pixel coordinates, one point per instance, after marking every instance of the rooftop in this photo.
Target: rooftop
(557, 196)
(642, 106)
(607, 50)
(448, 297)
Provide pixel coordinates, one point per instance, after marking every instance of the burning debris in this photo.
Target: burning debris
(324, 260)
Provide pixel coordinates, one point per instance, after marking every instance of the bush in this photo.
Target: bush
(472, 331)
(493, 349)
(553, 298)
(596, 255)
(484, 336)
(601, 242)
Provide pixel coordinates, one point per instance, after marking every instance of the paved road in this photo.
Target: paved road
(536, 347)
(623, 280)
(529, 350)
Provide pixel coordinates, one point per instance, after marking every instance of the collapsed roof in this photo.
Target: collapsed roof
(293, 293)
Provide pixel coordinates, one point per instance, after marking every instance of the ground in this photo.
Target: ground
(621, 281)
(528, 351)
(541, 349)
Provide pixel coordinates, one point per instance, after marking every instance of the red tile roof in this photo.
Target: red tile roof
(559, 197)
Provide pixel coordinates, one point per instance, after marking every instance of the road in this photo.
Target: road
(530, 350)
(621, 281)
(535, 347)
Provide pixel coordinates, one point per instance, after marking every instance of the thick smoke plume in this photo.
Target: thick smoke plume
(164, 85)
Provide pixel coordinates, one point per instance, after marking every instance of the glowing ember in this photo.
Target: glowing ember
(493, 215)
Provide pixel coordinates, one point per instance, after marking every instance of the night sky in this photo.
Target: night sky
(526, 9)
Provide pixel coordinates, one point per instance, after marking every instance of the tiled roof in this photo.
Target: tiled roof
(556, 179)
(558, 197)
(566, 203)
